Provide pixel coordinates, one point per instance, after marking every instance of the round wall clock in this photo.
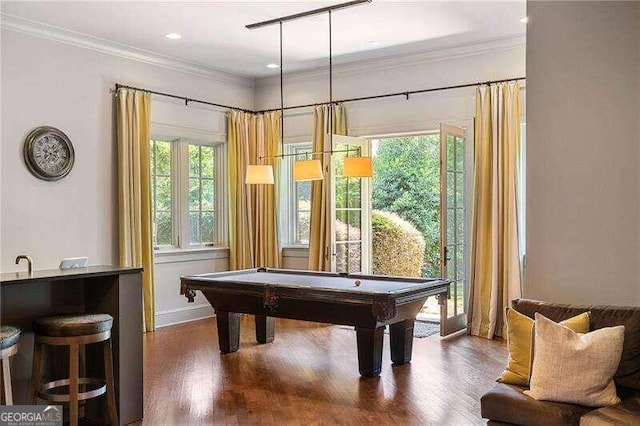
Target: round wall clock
(48, 153)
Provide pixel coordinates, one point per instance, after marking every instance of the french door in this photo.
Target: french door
(350, 210)
(453, 221)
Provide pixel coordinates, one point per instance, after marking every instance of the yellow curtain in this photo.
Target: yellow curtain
(319, 231)
(253, 233)
(134, 192)
(495, 258)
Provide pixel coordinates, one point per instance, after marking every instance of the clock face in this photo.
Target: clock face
(48, 153)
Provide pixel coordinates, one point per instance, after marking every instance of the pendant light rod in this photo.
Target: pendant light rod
(330, 87)
(307, 154)
(281, 96)
(305, 14)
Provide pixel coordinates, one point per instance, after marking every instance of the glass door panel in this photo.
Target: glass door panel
(351, 207)
(452, 225)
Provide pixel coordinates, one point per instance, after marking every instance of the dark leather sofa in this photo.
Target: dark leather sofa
(507, 405)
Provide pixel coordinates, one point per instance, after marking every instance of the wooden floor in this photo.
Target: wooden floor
(309, 375)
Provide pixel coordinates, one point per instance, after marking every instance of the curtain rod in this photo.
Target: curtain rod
(390, 95)
(364, 98)
(186, 100)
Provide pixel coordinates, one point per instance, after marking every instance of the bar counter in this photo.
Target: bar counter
(112, 290)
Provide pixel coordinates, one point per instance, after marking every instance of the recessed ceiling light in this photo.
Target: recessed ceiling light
(373, 43)
(173, 36)
(525, 20)
(272, 65)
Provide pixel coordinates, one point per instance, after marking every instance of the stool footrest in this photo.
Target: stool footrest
(45, 393)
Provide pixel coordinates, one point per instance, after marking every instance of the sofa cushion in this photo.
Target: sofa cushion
(628, 373)
(573, 367)
(506, 403)
(520, 344)
(625, 413)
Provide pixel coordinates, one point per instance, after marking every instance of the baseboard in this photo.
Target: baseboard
(182, 315)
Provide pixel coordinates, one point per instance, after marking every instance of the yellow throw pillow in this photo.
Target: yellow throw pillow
(520, 344)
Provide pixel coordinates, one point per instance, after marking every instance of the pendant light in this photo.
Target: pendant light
(263, 173)
(309, 169)
(259, 174)
(359, 167)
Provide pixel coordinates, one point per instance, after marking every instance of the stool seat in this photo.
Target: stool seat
(9, 336)
(73, 325)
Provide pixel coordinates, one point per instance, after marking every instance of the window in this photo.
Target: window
(187, 199)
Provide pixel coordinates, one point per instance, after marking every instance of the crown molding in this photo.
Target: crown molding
(86, 41)
(399, 61)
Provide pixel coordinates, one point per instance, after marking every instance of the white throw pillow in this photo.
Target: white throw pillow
(574, 367)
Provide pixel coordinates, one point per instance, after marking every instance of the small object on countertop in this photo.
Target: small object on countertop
(357, 283)
(74, 262)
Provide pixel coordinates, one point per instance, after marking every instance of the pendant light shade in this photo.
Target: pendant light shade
(361, 167)
(259, 174)
(307, 170)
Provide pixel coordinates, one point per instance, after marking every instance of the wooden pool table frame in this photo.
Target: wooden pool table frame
(369, 313)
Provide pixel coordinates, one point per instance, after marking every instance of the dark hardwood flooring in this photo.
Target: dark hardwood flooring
(309, 375)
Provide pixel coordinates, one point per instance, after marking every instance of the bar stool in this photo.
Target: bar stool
(74, 331)
(9, 337)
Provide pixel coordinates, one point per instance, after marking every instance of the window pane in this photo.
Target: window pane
(341, 225)
(163, 228)
(207, 158)
(207, 194)
(459, 190)
(450, 189)
(303, 191)
(355, 257)
(194, 227)
(194, 194)
(460, 296)
(194, 160)
(342, 188)
(451, 220)
(459, 154)
(348, 257)
(450, 152)
(163, 193)
(162, 158)
(208, 227)
(459, 226)
(354, 193)
(460, 262)
(304, 221)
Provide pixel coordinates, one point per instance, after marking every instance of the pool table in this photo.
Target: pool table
(368, 303)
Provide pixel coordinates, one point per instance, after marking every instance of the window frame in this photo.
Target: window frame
(180, 194)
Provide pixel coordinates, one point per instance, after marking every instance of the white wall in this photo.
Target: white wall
(482, 62)
(583, 163)
(51, 83)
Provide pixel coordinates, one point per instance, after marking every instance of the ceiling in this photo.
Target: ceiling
(214, 33)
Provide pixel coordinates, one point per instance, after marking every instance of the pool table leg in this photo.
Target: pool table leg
(401, 339)
(370, 350)
(265, 328)
(228, 331)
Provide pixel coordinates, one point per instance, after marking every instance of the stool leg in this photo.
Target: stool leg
(108, 370)
(73, 384)
(35, 373)
(6, 378)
